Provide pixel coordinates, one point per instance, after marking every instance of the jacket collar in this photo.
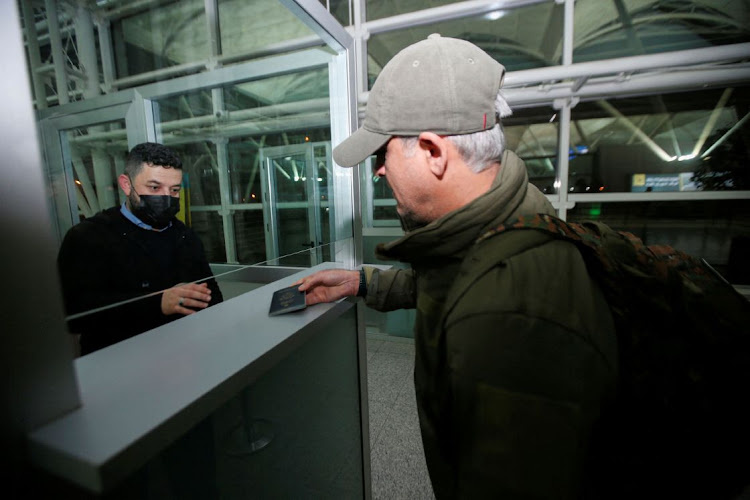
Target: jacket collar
(449, 236)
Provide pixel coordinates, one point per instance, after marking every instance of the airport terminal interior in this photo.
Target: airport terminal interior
(630, 112)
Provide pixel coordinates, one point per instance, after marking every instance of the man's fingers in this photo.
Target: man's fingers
(197, 292)
(199, 302)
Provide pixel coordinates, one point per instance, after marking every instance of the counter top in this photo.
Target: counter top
(141, 394)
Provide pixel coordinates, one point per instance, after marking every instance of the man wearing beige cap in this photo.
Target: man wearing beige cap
(515, 349)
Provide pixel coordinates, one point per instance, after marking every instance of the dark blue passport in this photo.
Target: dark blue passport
(287, 300)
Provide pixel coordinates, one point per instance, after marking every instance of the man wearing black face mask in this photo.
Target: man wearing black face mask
(136, 250)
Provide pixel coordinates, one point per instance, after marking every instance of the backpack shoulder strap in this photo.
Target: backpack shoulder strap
(479, 260)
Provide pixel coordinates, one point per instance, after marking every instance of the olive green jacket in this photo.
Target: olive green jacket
(515, 347)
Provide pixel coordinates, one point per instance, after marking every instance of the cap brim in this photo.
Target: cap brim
(357, 147)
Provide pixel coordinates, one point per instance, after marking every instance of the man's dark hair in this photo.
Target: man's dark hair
(152, 154)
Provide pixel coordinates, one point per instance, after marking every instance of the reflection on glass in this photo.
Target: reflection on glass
(673, 142)
(538, 44)
(607, 30)
(713, 230)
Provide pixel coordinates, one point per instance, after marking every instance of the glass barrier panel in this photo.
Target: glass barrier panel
(208, 226)
(265, 171)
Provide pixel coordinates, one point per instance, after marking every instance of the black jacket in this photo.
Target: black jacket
(107, 259)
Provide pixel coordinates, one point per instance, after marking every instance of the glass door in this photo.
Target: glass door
(85, 153)
(296, 210)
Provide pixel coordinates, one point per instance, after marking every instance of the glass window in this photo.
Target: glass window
(684, 141)
(159, 37)
(148, 39)
(532, 133)
(247, 27)
(378, 9)
(257, 211)
(97, 158)
(605, 30)
(341, 10)
(499, 33)
(378, 203)
(716, 230)
(207, 225)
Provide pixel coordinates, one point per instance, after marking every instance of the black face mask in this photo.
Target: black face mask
(154, 210)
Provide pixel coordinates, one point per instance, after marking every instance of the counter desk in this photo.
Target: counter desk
(296, 380)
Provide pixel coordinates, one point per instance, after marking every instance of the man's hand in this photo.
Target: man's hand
(329, 285)
(185, 298)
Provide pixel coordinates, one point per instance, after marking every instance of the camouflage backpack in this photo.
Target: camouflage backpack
(680, 427)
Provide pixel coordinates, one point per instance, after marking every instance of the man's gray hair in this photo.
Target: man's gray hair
(480, 149)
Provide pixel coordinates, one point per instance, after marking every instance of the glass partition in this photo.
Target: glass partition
(254, 138)
(250, 95)
(265, 170)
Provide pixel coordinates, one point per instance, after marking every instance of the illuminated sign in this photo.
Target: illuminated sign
(662, 182)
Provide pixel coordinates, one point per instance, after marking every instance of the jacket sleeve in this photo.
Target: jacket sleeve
(193, 265)
(390, 289)
(213, 285)
(85, 270)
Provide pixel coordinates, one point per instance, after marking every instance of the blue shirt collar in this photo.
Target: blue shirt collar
(138, 222)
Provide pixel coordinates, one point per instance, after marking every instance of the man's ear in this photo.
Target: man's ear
(436, 148)
(124, 181)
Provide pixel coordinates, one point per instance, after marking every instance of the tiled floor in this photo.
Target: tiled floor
(397, 458)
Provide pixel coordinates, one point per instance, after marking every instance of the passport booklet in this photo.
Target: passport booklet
(287, 300)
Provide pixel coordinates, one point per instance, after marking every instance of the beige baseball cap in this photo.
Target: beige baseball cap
(442, 85)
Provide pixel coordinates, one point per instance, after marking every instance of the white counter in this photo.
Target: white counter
(141, 394)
